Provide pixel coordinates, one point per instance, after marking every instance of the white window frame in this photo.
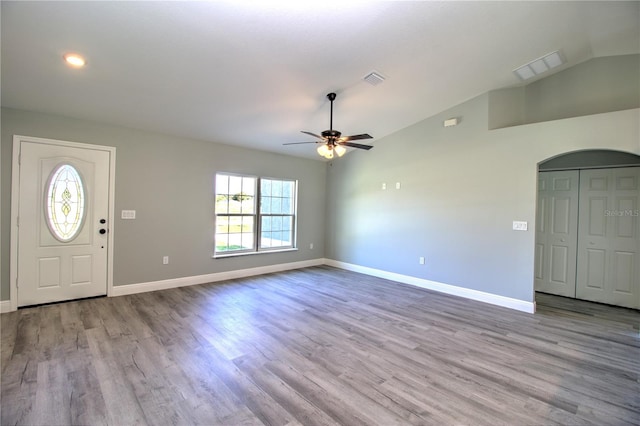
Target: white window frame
(257, 218)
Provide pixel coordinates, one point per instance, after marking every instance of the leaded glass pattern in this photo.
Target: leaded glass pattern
(65, 202)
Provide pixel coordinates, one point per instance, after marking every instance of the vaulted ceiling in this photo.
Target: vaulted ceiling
(255, 74)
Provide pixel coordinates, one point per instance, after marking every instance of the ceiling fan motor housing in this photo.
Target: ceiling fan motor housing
(331, 134)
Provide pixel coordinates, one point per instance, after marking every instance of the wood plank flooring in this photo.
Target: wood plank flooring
(318, 346)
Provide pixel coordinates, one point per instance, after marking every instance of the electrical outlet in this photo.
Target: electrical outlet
(397, 185)
(165, 260)
(421, 260)
(384, 185)
(311, 246)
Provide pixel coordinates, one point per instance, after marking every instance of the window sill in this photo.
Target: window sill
(251, 253)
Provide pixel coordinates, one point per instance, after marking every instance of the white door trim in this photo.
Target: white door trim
(15, 204)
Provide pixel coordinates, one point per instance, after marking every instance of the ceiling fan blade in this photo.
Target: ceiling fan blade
(312, 134)
(300, 143)
(356, 145)
(356, 137)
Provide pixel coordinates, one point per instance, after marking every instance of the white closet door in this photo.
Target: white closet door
(608, 247)
(556, 232)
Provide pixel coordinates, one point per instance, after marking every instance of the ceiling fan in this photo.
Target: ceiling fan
(332, 140)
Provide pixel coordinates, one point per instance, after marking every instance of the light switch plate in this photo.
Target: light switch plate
(128, 214)
(520, 226)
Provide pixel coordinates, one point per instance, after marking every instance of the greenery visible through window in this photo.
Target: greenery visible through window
(254, 214)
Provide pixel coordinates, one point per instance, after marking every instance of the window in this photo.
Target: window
(254, 214)
(65, 203)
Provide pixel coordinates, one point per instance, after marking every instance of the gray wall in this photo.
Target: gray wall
(596, 86)
(461, 188)
(169, 182)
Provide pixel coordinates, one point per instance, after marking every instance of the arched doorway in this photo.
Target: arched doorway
(587, 227)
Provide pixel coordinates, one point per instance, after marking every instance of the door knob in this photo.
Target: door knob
(103, 221)
(103, 231)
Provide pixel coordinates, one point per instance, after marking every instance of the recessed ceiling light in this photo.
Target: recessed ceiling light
(74, 60)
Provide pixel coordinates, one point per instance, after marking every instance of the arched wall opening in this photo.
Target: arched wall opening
(587, 236)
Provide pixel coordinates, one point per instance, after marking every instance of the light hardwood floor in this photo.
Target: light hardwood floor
(318, 346)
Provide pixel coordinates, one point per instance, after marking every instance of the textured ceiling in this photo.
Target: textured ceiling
(255, 74)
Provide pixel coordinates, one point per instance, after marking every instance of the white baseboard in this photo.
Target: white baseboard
(481, 296)
(5, 306)
(123, 290)
(507, 302)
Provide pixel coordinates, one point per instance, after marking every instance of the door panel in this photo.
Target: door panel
(608, 247)
(556, 232)
(595, 267)
(52, 268)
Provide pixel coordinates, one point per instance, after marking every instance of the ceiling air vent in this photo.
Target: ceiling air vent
(373, 78)
(540, 65)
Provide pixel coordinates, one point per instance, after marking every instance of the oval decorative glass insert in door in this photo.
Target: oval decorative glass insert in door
(65, 202)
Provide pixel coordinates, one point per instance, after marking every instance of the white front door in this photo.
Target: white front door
(557, 233)
(609, 247)
(63, 220)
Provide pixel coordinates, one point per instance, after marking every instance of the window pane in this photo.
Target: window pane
(286, 238)
(222, 225)
(222, 242)
(222, 184)
(276, 239)
(276, 205)
(286, 206)
(276, 188)
(247, 224)
(265, 187)
(247, 241)
(265, 205)
(235, 242)
(65, 203)
(222, 204)
(248, 204)
(266, 223)
(235, 184)
(249, 185)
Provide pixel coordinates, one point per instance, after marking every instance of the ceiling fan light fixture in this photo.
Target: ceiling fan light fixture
(325, 151)
(74, 60)
(331, 139)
